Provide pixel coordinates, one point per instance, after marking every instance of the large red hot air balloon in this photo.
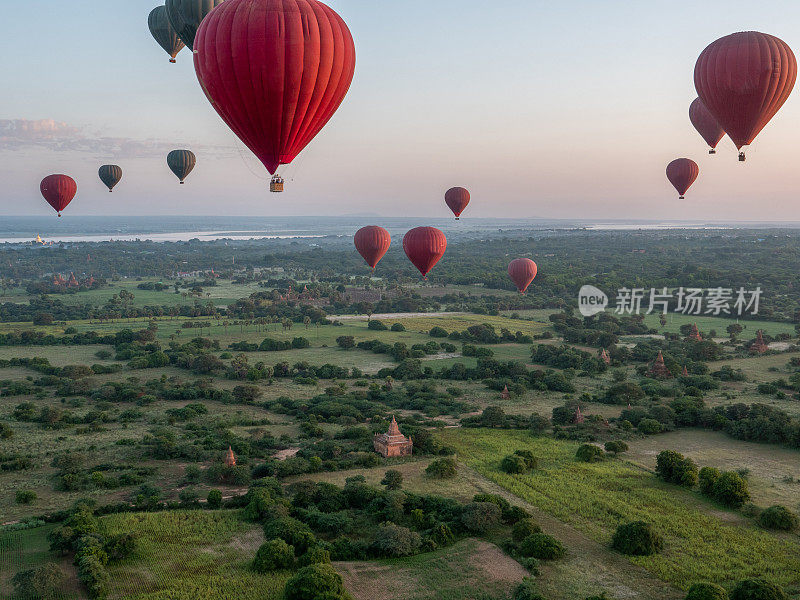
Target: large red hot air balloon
(457, 199)
(275, 71)
(744, 79)
(424, 247)
(522, 272)
(372, 243)
(682, 173)
(706, 124)
(58, 190)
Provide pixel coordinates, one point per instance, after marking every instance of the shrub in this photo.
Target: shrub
(531, 462)
(42, 583)
(649, 427)
(214, 499)
(25, 496)
(526, 591)
(316, 555)
(273, 556)
(590, 453)
(438, 332)
(375, 325)
(731, 489)
(398, 327)
(479, 517)
(315, 582)
(616, 447)
(757, 589)
(637, 539)
(291, 531)
(523, 528)
(542, 546)
(708, 479)
(778, 517)
(442, 468)
(513, 464)
(392, 540)
(707, 591)
(392, 479)
(675, 468)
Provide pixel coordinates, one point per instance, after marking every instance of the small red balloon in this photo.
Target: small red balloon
(424, 247)
(58, 190)
(522, 272)
(682, 173)
(706, 124)
(457, 199)
(372, 243)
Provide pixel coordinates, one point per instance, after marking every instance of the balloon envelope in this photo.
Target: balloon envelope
(705, 123)
(163, 32)
(682, 173)
(58, 190)
(275, 71)
(744, 79)
(522, 272)
(424, 247)
(110, 175)
(457, 199)
(372, 243)
(181, 162)
(185, 17)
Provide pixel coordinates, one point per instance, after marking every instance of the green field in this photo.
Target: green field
(703, 542)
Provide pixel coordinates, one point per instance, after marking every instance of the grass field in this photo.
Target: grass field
(28, 549)
(469, 570)
(703, 542)
(190, 555)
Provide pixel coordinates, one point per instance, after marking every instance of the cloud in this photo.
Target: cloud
(17, 134)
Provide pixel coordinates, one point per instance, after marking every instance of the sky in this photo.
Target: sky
(540, 108)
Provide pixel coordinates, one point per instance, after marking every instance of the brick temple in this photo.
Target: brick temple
(230, 458)
(393, 442)
(694, 334)
(759, 346)
(658, 369)
(604, 356)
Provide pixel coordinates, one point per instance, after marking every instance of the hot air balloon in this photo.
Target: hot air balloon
(424, 247)
(164, 33)
(682, 173)
(275, 71)
(181, 162)
(457, 199)
(372, 243)
(110, 175)
(706, 124)
(185, 17)
(744, 79)
(522, 272)
(58, 190)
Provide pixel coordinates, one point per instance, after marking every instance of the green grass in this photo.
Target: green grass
(702, 542)
(188, 555)
(707, 323)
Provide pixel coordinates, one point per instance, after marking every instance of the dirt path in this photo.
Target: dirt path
(589, 566)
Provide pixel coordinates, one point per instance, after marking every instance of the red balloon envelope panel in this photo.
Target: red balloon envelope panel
(705, 123)
(744, 79)
(682, 173)
(372, 243)
(58, 190)
(457, 199)
(522, 272)
(424, 247)
(275, 71)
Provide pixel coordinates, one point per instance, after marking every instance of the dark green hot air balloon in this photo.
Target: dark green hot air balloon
(163, 32)
(185, 17)
(181, 162)
(110, 175)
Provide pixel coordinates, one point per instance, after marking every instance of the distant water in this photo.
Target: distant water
(184, 228)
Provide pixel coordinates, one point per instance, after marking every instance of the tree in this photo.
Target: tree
(315, 582)
(442, 468)
(590, 453)
(42, 583)
(523, 528)
(707, 591)
(637, 539)
(616, 447)
(214, 499)
(542, 546)
(480, 517)
(346, 342)
(273, 555)
(25, 496)
(393, 540)
(778, 517)
(731, 490)
(513, 465)
(392, 479)
(757, 589)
